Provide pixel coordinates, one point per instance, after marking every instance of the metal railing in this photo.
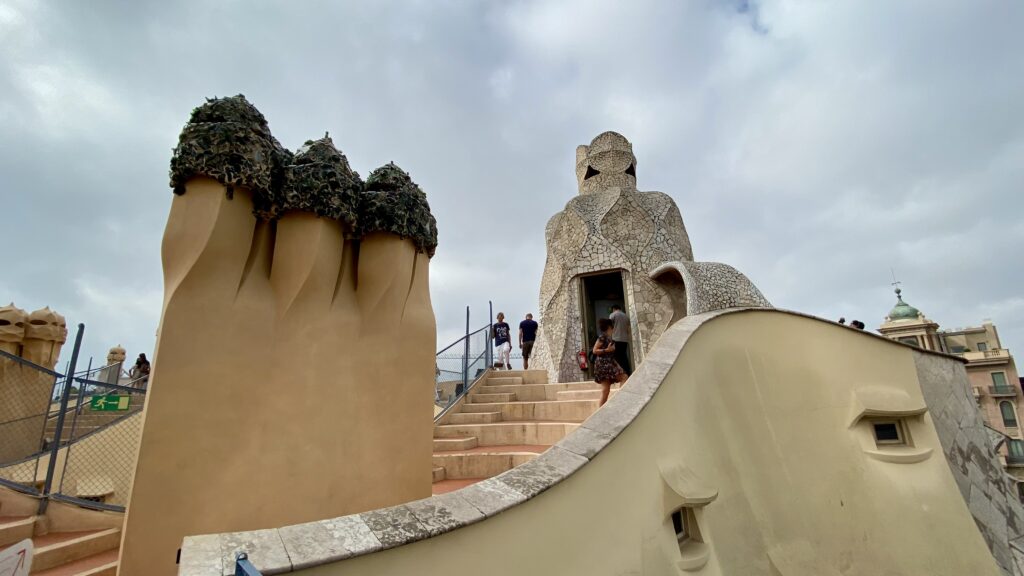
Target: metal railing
(1002, 391)
(243, 567)
(69, 438)
(459, 365)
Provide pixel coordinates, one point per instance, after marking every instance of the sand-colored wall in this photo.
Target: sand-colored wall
(291, 380)
(762, 409)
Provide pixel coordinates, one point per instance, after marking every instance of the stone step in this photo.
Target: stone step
(580, 395)
(504, 381)
(587, 394)
(15, 529)
(537, 392)
(550, 410)
(444, 444)
(476, 397)
(439, 473)
(528, 376)
(102, 564)
(480, 465)
(475, 417)
(59, 548)
(505, 433)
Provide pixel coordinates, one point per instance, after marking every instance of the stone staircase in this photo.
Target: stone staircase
(506, 420)
(57, 553)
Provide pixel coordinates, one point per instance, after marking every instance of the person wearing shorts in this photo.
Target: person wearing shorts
(502, 342)
(527, 335)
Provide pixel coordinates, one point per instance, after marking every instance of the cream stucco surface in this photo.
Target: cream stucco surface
(291, 379)
(762, 426)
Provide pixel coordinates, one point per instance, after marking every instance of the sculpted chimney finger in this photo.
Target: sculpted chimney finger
(393, 203)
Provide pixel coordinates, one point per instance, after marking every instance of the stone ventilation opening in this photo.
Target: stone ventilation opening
(891, 432)
(681, 525)
(631, 171)
(590, 173)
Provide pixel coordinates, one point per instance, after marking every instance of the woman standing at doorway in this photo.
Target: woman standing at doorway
(606, 370)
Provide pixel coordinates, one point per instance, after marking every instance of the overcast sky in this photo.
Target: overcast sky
(812, 145)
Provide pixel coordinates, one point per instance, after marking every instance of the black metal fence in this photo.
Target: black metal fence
(69, 438)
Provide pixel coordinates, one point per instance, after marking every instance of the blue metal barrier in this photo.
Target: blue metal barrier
(243, 567)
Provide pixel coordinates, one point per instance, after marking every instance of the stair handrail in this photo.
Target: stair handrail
(470, 352)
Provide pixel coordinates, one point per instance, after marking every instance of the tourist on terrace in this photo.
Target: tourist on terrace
(502, 341)
(621, 336)
(139, 373)
(527, 334)
(606, 369)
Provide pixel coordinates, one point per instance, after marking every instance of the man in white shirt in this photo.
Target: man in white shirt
(621, 336)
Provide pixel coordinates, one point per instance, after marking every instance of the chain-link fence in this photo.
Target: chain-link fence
(102, 434)
(26, 407)
(459, 365)
(71, 438)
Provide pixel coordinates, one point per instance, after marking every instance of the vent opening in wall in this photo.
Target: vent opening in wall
(890, 433)
(684, 523)
(680, 525)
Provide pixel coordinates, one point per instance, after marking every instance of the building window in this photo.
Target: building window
(957, 349)
(1020, 491)
(999, 379)
(684, 523)
(1015, 453)
(1009, 414)
(1016, 447)
(912, 340)
(982, 346)
(889, 432)
(681, 524)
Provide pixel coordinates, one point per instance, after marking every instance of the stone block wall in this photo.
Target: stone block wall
(989, 492)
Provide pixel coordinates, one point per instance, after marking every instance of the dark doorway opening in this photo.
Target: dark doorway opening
(597, 294)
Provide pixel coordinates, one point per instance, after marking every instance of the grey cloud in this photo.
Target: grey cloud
(812, 146)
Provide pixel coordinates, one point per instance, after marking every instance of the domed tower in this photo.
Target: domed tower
(615, 245)
(909, 325)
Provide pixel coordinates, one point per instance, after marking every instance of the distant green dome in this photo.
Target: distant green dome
(902, 310)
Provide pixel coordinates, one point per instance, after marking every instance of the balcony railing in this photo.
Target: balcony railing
(1002, 391)
(988, 356)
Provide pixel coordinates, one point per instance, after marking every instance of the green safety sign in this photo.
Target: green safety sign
(109, 402)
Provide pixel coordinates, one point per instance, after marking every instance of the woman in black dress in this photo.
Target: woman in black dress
(606, 369)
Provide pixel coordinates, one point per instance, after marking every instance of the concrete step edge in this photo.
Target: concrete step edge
(60, 553)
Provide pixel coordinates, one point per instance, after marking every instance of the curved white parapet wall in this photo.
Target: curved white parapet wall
(753, 431)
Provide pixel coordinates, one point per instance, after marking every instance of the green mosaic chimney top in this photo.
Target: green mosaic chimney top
(902, 310)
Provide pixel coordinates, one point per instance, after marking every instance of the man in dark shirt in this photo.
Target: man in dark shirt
(527, 334)
(502, 341)
(621, 336)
